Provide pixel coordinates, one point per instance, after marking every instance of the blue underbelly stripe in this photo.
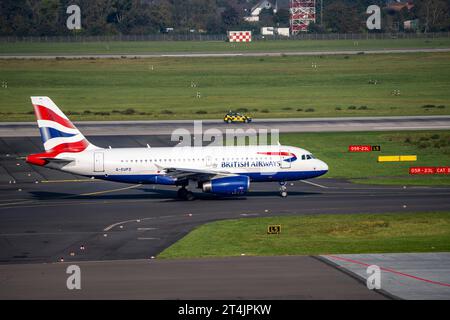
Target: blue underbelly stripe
(255, 177)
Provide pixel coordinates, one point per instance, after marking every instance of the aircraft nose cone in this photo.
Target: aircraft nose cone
(322, 166)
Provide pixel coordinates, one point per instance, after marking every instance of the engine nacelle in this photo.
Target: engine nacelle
(228, 185)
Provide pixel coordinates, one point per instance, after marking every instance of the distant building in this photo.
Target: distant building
(255, 11)
(273, 31)
(399, 5)
(411, 24)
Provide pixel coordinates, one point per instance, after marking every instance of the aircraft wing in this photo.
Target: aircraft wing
(194, 174)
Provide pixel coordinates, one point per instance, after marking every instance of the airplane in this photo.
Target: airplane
(220, 170)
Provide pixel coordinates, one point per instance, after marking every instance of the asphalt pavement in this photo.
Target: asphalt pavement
(167, 127)
(219, 54)
(113, 231)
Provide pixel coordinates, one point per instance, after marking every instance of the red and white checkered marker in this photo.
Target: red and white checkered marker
(240, 36)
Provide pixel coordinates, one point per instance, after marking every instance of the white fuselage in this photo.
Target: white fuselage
(146, 165)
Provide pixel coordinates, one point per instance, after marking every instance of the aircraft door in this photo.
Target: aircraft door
(99, 165)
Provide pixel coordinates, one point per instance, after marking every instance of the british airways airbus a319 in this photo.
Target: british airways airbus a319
(221, 170)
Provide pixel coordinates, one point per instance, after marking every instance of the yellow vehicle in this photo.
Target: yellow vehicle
(232, 117)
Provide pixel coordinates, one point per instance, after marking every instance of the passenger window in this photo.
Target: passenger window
(303, 157)
(308, 157)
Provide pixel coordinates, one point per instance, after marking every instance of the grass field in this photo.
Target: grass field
(142, 47)
(166, 88)
(431, 147)
(318, 234)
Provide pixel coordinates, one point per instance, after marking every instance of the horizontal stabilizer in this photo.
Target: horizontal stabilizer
(41, 159)
(55, 160)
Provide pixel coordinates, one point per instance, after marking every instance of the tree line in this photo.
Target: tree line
(134, 17)
(349, 16)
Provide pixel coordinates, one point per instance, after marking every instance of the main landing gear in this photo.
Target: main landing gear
(185, 194)
(283, 189)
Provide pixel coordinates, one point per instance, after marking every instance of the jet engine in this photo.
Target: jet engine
(234, 185)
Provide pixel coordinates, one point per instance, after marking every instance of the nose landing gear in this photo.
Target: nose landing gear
(283, 189)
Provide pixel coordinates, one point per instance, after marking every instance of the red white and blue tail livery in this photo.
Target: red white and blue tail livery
(226, 170)
(59, 135)
(57, 131)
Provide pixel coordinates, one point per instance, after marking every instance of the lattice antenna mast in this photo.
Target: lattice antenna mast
(303, 12)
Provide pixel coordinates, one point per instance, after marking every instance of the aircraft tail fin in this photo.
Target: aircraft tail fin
(58, 133)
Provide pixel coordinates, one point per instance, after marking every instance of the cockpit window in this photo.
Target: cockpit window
(307, 157)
